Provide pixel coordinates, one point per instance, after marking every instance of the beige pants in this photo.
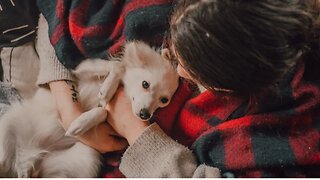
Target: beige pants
(21, 67)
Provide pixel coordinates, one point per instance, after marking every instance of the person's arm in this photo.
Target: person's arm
(50, 67)
(151, 152)
(102, 138)
(66, 96)
(154, 154)
(54, 75)
(62, 85)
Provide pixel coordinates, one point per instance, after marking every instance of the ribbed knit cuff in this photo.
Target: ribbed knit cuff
(151, 150)
(50, 67)
(52, 70)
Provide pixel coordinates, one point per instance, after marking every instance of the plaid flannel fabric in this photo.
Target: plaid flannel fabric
(267, 136)
(80, 29)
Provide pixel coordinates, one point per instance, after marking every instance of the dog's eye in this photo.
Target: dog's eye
(145, 84)
(164, 100)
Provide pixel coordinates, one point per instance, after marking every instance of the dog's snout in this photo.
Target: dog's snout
(144, 114)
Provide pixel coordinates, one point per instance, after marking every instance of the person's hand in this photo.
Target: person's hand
(102, 138)
(122, 119)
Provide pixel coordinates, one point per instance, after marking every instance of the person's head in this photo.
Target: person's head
(241, 45)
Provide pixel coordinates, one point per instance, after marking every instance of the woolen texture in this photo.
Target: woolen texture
(155, 154)
(81, 29)
(50, 67)
(267, 135)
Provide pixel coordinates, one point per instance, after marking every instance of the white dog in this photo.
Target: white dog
(33, 143)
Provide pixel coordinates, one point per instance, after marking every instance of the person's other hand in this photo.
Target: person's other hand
(122, 119)
(104, 139)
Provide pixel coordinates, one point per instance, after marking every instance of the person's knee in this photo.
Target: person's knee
(20, 67)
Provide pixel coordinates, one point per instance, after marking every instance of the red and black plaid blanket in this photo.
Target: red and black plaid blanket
(270, 135)
(80, 29)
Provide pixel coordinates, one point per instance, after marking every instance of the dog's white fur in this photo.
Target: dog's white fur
(33, 143)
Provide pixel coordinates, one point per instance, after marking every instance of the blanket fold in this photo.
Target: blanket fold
(81, 29)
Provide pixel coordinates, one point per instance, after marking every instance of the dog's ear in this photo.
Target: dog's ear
(165, 53)
(131, 49)
(167, 56)
(135, 52)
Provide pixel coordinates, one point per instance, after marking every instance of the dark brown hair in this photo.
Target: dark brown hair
(243, 45)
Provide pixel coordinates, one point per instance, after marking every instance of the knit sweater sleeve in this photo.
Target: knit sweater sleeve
(154, 154)
(50, 67)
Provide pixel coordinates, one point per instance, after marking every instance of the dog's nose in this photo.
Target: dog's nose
(144, 114)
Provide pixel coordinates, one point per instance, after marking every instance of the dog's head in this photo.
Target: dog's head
(150, 79)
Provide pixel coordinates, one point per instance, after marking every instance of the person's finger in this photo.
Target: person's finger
(118, 143)
(104, 139)
(119, 94)
(113, 143)
(106, 127)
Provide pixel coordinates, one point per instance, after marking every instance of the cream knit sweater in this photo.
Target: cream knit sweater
(50, 67)
(154, 154)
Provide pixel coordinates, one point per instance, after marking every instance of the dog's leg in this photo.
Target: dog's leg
(97, 115)
(7, 154)
(3, 144)
(26, 159)
(87, 121)
(92, 68)
(111, 83)
(7, 145)
(79, 161)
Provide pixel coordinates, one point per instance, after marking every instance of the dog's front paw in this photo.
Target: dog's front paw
(24, 171)
(77, 127)
(102, 100)
(101, 94)
(86, 121)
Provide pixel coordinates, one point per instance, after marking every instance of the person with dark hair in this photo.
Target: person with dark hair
(259, 61)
